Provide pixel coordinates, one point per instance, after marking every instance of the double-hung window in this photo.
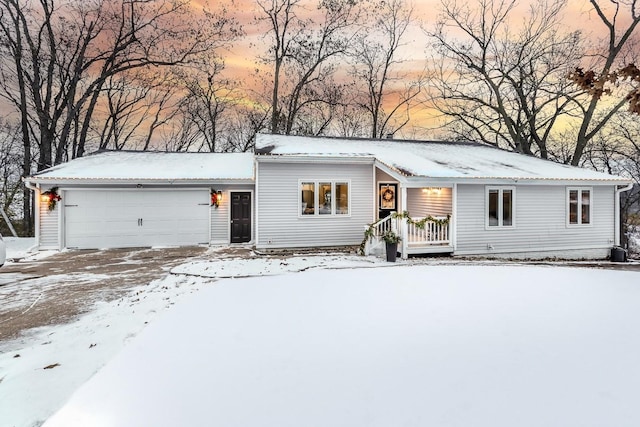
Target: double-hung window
(324, 198)
(579, 202)
(500, 207)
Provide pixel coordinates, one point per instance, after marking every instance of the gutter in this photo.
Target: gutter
(36, 213)
(616, 238)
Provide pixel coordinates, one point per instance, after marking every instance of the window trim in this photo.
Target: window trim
(579, 224)
(316, 195)
(500, 189)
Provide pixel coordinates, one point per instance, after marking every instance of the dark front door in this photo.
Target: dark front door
(240, 217)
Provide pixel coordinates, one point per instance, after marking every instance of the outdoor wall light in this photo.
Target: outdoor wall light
(216, 198)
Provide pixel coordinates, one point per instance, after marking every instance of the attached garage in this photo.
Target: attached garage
(136, 218)
(116, 199)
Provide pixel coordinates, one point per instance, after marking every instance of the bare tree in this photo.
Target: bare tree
(10, 172)
(386, 91)
(209, 96)
(133, 106)
(607, 64)
(245, 123)
(503, 82)
(351, 122)
(59, 56)
(303, 46)
(180, 135)
(56, 56)
(281, 16)
(615, 149)
(512, 87)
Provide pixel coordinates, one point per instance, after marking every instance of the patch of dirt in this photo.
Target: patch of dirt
(56, 289)
(62, 286)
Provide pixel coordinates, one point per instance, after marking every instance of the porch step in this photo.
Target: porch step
(431, 249)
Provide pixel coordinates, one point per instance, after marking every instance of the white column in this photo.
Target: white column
(403, 224)
(454, 216)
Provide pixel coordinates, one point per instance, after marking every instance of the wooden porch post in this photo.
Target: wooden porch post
(403, 224)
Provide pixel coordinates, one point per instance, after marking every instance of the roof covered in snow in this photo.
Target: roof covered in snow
(143, 165)
(429, 159)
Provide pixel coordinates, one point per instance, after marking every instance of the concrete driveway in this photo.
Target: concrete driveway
(62, 286)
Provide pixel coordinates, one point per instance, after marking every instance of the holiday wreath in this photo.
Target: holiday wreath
(51, 197)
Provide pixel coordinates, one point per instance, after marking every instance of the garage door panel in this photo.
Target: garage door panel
(126, 218)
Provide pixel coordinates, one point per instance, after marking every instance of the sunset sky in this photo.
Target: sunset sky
(242, 59)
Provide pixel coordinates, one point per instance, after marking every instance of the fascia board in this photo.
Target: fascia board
(444, 181)
(135, 181)
(292, 158)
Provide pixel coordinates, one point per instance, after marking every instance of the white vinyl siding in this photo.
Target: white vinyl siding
(425, 202)
(49, 224)
(541, 218)
(280, 222)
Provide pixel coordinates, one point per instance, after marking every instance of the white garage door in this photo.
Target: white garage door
(136, 218)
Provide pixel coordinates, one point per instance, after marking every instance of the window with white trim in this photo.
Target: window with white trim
(324, 198)
(579, 202)
(500, 207)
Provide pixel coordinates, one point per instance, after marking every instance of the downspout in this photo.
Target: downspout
(36, 213)
(616, 237)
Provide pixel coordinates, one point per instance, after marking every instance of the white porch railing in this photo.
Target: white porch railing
(433, 233)
(433, 237)
(375, 242)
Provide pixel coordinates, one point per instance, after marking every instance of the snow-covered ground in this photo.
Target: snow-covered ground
(39, 372)
(17, 247)
(306, 344)
(337, 340)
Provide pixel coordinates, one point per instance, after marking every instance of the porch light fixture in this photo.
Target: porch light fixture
(432, 190)
(216, 198)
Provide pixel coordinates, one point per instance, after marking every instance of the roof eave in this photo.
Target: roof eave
(134, 181)
(417, 180)
(304, 158)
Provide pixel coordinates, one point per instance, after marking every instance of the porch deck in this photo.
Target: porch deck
(433, 237)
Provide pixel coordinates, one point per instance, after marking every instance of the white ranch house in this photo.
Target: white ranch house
(302, 192)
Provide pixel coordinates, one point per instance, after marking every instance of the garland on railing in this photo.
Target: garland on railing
(421, 223)
(370, 232)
